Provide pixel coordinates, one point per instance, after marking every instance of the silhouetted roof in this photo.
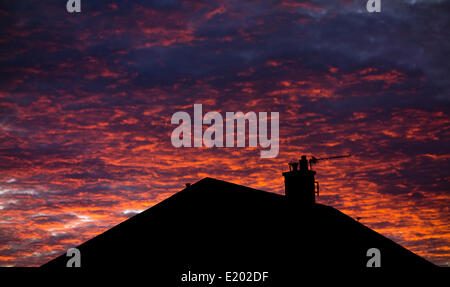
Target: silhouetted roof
(215, 224)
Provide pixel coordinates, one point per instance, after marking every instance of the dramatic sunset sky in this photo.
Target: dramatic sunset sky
(86, 101)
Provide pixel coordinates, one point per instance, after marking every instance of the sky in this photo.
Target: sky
(86, 101)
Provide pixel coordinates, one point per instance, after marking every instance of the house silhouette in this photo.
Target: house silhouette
(213, 225)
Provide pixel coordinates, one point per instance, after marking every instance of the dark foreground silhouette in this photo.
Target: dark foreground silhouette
(214, 226)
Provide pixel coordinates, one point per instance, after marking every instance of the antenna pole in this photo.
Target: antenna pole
(314, 160)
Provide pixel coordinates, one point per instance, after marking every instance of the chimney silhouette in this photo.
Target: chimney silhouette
(300, 184)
